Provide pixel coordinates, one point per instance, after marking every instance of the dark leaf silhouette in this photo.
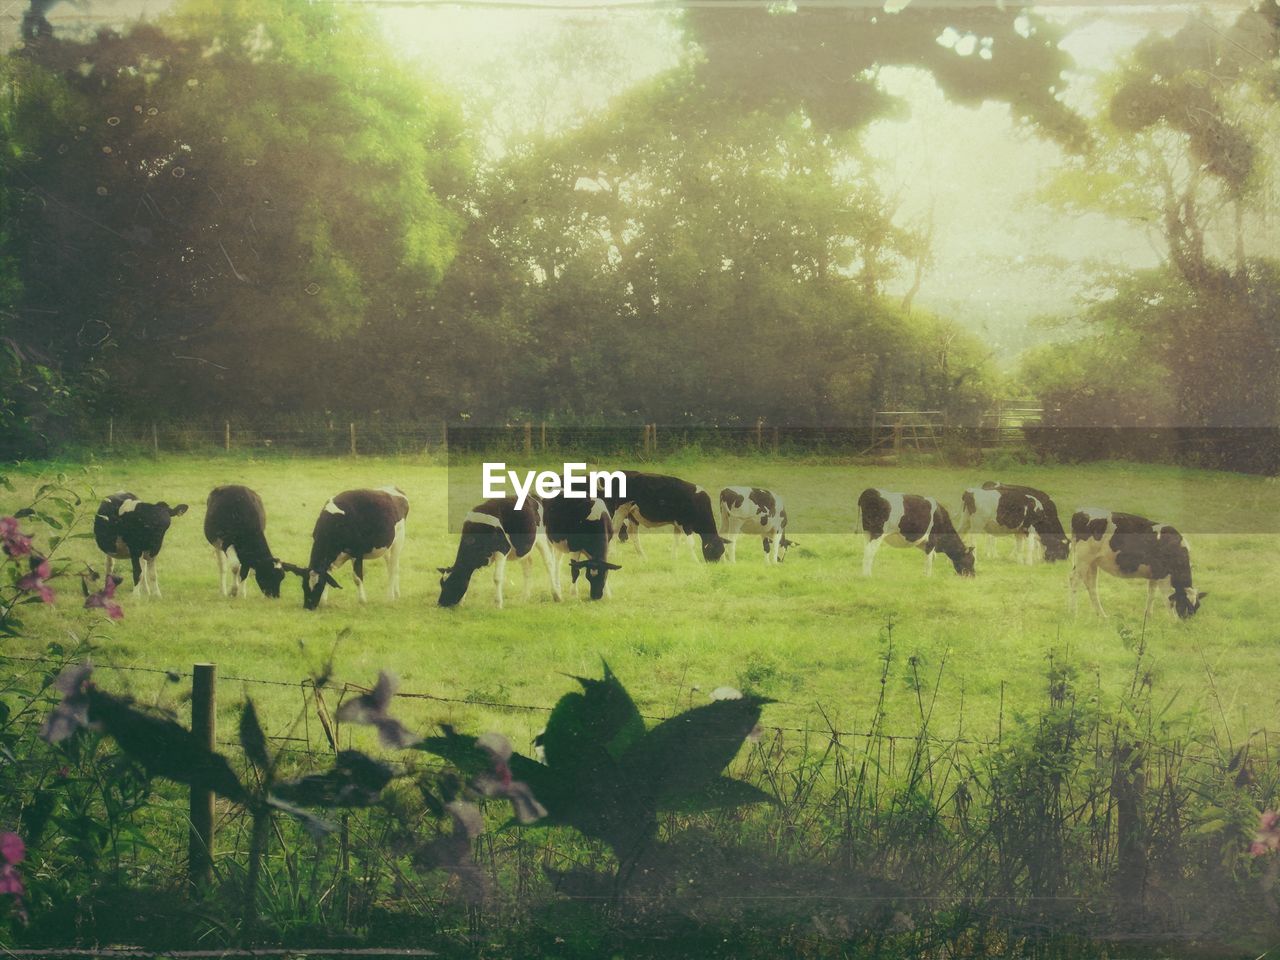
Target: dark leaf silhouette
(164, 748)
(252, 739)
(356, 780)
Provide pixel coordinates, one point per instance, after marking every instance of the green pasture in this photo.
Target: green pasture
(811, 633)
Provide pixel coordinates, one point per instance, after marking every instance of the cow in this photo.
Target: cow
(995, 509)
(581, 528)
(235, 524)
(907, 520)
(1133, 547)
(355, 525)
(655, 500)
(756, 512)
(494, 532)
(126, 528)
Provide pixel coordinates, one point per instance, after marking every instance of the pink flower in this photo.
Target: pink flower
(500, 783)
(34, 582)
(1267, 839)
(372, 708)
(16, 543)
(104, 599)
(12, 849)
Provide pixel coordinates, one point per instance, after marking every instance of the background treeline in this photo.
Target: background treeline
(253, 209)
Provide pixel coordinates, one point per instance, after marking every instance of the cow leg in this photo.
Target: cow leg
(551, 560)
(393, 563)
(499, 577)
(869, 553)
(243, 581)
(731, 531)
(1091, 582)
(138, 582)
(153, 577)
(1151, 599)
(928, 562)
(1020, 547)
(111, 563)
(357, 573)
(694, 543)
(219, 556)
(233, 560)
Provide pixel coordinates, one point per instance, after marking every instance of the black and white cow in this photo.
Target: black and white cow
(494, 532)
(580, 528)
(998, 509)
(907, 520)
(356, 525)
(655, 500)
(125, 528)
(1133, 547)
(235, 524)
(755, 512)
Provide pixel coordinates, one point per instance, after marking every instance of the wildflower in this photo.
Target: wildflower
(73, 712)
(34, 582)
(371, 708)
(500, 783)
(1267, 839)
(16, 543)
(104, 599)
(12, 852)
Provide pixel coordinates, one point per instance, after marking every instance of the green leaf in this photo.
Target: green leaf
(685, 754)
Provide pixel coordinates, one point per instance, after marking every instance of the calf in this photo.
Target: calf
(494, 532)
(127, 528)
(754, 511)
(1128, 546)
(654, 500)
(235, 524)
(1029, 514)
(356, 525)
(582, 529)
(906, 520)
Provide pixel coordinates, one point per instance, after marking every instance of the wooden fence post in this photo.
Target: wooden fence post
(226, 436)
(111, 431)
(203, 714)
(353, 438)
(544, 434)
(775, 441)
(444, 436)
(1128, 783)
(155, 439)
(653, 434)
(759, 433)
(528, 438)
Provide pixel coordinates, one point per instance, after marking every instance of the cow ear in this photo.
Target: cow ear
(290, 568)
(611, 566)
(1201, 595)
(178, 511)
(328, 578)
(445, 569)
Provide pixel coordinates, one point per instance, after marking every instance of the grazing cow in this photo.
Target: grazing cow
(580, 528)
(1128, 546)
(755, 512)
(654, 500)
(127, 528)
(235, 524)
(494, 532)
(1029, 514)
(906, 520)
(356, 525)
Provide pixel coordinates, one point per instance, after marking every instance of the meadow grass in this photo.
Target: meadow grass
(810, 633)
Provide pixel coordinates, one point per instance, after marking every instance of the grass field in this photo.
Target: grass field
(810, 633)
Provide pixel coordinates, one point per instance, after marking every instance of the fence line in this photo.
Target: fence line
(345, 687)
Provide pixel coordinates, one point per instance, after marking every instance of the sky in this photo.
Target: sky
(972, 169)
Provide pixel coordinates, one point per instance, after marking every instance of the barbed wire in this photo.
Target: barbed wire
(828, 731)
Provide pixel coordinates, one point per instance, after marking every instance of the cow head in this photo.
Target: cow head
(1056, 548)
(964, 563)
(1185, 601)
(713, 548)
(313, 584)
(269, 577)
(597, 572)
(453, 584)
(782, 547)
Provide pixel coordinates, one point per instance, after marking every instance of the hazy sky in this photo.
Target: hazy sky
(970, 166)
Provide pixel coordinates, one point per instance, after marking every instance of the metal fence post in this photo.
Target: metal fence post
(203, 714)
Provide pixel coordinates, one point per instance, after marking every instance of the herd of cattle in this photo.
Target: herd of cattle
(360, 525)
